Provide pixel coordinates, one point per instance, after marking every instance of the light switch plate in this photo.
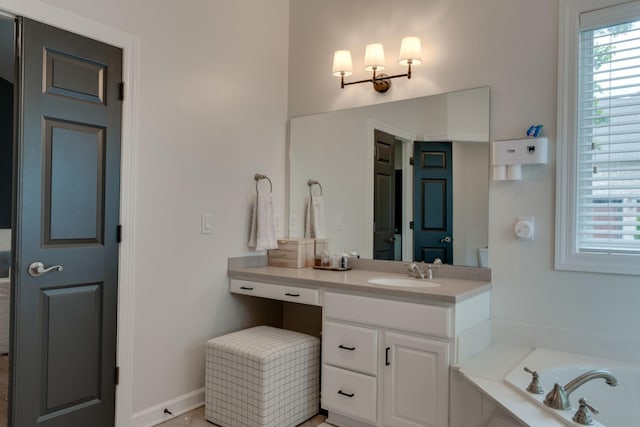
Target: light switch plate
(206, 224)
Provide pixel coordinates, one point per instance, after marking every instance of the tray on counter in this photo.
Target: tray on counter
(317, 267)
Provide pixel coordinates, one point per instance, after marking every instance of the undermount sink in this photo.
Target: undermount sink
(405, 283)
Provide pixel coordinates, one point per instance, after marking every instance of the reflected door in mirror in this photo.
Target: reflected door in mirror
(433, 201)
(384, 196)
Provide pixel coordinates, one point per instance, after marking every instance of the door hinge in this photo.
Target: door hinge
(116, 376)
(411, 225)
(119, 233)
(411, 161)
(121, 91)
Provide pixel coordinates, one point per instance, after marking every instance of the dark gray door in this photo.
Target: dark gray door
(433, 202)
(64, 343)
(384, 196)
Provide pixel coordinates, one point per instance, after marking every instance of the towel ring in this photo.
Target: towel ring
(258, 177)
(311, 183)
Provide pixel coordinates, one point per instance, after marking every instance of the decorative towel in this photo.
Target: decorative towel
(263, 227)
(314, 224)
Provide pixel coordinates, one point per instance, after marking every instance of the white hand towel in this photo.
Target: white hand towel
(314, 223)
(263, 228)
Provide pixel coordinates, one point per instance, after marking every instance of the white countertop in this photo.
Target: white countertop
(453, 290)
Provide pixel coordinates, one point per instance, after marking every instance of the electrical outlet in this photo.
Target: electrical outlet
(339, 222)
(292, 222)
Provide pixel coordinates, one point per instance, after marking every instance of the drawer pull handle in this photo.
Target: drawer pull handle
(292, 295)
(386, 356)
(346, 394)
(246, 288)
(346, 348)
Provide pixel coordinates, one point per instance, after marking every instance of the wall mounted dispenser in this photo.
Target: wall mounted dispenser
(509, 155)
(524, 228)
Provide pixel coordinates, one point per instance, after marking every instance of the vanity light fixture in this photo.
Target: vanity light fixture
(410, 54)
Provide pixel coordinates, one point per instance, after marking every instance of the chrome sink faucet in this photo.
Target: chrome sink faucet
(416, 270)
(558, 398)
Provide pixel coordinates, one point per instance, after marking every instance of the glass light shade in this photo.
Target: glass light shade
(410, 50)
(342, 65)
(374, 57)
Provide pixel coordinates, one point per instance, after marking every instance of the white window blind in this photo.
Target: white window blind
(608, 131)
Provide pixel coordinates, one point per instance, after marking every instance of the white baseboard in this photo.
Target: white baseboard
(342, 421)
(178, 406)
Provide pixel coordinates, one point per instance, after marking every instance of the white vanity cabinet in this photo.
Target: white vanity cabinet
(385, 362)
(385, 355)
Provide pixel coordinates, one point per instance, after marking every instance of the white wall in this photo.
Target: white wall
(5, 239)
(512, 47)
(212, 112)
(470, 200)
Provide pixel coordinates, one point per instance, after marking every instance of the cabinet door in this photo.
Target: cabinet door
(416, 381)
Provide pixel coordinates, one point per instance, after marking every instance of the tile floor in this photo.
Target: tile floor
(195, 418)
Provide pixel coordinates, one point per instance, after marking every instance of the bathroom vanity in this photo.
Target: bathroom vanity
(386, 349)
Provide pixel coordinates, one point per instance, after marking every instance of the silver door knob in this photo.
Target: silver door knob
(37, 269)
(447, 239)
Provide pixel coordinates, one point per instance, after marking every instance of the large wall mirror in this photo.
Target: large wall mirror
(397, 173)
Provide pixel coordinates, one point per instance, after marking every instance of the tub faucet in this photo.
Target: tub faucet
(416, 270)
(558, 398)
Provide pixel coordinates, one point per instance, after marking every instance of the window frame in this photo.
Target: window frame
(566, 255)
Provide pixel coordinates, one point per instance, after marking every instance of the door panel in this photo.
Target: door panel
(433, 201)
(67, 212)
(74, 342)
(75, 77)
(384, 196)
(74, 174)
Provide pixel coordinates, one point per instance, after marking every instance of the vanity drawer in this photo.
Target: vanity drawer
(350, 347)
(349, 393)
(279, 292)
(419, 318)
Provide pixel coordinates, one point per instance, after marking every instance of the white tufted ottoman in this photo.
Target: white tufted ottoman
(262, 376)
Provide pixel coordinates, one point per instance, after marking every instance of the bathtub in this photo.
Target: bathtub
(619, 406)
